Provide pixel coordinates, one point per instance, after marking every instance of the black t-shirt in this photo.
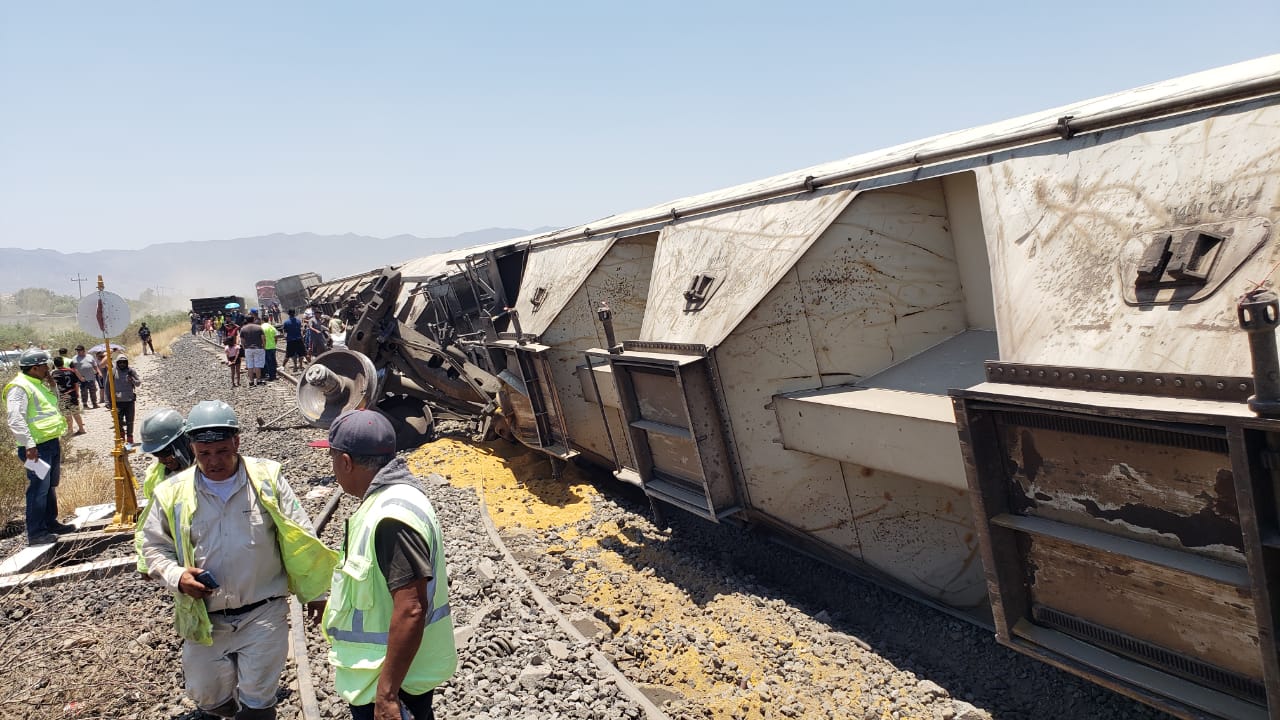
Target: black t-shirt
(66, 381)
(403, 555)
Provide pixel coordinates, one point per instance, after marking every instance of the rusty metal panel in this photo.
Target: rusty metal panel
(1164, 488)
(745, 251)
(1185, 613)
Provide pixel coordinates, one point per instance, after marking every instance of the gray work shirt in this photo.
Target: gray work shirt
(235, 540)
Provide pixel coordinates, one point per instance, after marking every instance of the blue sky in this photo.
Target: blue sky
(126, 124)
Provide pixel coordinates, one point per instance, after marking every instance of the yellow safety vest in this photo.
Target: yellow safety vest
(44, 420)
(307, 562)
(357, 618)
(154, 476)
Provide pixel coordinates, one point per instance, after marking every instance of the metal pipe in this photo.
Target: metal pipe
(1065, 127)
(606, 319)
(1259, 315)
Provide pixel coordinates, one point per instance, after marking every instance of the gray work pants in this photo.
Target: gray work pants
(245, 660)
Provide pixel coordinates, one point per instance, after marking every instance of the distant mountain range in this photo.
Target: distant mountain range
(224, 267)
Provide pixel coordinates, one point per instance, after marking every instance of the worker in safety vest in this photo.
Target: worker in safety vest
(37, 424)
(164, 437)
(230, 539)
(387, 617)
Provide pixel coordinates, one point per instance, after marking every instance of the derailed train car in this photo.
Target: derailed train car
(1002, 371)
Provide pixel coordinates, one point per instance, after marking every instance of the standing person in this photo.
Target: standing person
(232, 352)
(164, 437)
(68, 385)
(144, 335)
(231, 540)
(387, 618)
(313, 335)
(100, 358)
(195, 321)
(294, 349)
(127, 382)
(36, 424)
(269, 345)
(230, 330)
(87, 368)
(255, 355)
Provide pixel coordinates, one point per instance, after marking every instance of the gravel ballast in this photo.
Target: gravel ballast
(707, 621)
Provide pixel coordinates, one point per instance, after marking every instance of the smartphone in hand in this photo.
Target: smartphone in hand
(206, 579)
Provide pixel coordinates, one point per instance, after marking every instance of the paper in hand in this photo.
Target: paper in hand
(39, 467)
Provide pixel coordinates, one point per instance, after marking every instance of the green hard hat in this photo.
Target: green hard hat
(32, 358)
(161, 428)
(212, 420)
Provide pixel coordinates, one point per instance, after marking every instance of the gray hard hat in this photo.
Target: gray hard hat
(161, 428)
(32, 358)
(211, 421)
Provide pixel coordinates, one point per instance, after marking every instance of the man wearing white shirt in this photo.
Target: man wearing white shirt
(37, 424)
(230, 539)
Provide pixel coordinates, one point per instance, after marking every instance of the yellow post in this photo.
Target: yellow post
(126, 516)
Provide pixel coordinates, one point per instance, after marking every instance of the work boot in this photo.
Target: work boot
(44, 538)
(257, 714)
(62, 528)
(227, 709)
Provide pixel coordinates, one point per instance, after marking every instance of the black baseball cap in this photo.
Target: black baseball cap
(360, 432)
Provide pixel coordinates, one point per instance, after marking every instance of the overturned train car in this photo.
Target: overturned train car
(1005, 371)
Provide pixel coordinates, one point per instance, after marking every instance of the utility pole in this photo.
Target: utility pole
(79, 281)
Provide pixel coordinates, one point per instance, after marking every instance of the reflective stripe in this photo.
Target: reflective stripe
(362, 546)
(178, 533)
(356, 633)
(438, 614)
(433, 613)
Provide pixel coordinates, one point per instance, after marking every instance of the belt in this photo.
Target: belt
(245, 608)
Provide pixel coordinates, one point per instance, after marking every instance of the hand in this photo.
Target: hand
(189, 585)
(33, 454)
(385, 708)
(315, 611)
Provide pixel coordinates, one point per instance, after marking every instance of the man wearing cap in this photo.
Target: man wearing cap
(37, 423)
(87, 368)
(387, 617)
(127, 383)
(230, 539)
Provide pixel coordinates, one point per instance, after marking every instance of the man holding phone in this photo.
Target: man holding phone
(230, 538)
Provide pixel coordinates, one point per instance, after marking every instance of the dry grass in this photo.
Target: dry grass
(87, 479)
(13, 485)
(161, 339)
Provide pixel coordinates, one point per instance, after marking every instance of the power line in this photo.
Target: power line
(79, 281)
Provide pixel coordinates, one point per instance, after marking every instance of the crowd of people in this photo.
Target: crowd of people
(250, 341)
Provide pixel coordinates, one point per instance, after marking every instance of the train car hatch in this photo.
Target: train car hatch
(529, 399)
(675, 428)
(1113, 511)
